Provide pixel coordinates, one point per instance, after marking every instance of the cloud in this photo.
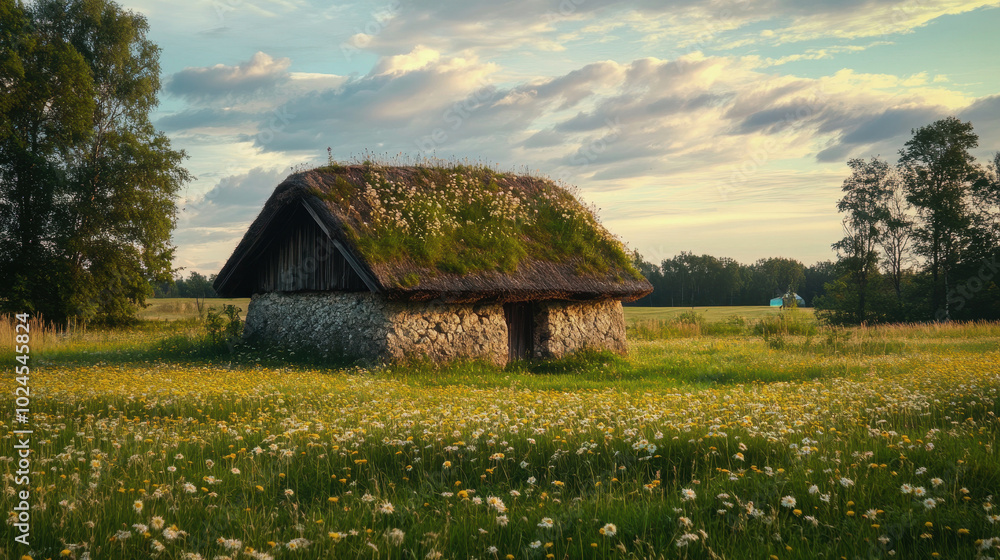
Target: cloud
(234, 201)
(684, 25)
(195, 119)
(261, 72)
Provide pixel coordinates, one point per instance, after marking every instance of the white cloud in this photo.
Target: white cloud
(261, 72)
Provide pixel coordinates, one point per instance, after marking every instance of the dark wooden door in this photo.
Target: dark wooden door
(520, 329)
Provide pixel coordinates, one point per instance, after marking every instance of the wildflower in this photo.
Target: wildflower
(788, 502)
(686, 522)
(157, 523)
(738, 457)
(496, 503)
(546, 523)
(930, 503)
(502, 520)
(189, 488)
(906, 489)
(846, 482)
(289, 492)
(686, 539)
(137, 506)
(234, 470)
(609, 530)
(813, 489)
(367, 498)
(535, 544)
(687, 495)
(298, 543)
(935, 482)
(395, 537)
(386, 508)
(919, 491)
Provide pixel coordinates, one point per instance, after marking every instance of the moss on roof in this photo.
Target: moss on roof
(463, 219)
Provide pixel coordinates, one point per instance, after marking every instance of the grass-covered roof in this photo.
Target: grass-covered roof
(454, 232)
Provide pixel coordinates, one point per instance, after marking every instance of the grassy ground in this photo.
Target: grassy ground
(173, 309)
(761, 438)
(710, 314)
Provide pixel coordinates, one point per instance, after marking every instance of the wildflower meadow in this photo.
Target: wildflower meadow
(738, 442)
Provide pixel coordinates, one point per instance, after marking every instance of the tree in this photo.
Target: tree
(775, 277)
(865, 203)
(45, 108)
(938, 173)
(896, 233)
(816, 277)
(197, 287)
(90, 183)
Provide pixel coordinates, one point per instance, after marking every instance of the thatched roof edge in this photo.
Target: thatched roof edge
(534, 279)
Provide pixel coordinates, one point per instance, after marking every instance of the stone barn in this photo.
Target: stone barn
(385, 263)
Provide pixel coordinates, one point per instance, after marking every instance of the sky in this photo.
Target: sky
(721, 128)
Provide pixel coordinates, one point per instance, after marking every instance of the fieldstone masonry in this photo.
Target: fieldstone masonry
(563, 327)
(366, 326)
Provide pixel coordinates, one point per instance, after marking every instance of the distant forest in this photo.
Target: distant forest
(689, 280)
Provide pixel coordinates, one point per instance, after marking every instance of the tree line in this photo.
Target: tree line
(921, 236)
(195, 286)
(689, 280)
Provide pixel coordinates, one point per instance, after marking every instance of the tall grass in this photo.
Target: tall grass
(43, 335)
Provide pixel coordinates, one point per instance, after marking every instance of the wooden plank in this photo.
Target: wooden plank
(362, 273)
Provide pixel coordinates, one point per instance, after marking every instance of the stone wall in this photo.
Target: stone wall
(444, 332)
(564, 327)
(351, 324)
(365, 326)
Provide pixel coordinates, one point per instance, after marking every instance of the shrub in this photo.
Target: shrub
(224, 326)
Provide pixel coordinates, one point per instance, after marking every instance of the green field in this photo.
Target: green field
(757, 437)
(711, 314)
(172, 309)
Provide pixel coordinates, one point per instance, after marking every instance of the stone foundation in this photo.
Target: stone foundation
(365, 326)
(351, 324)
(444, 332)
(562, 327)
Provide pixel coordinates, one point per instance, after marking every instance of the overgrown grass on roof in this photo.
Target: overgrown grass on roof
(469, 218)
